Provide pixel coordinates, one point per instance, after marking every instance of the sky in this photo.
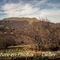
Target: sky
(49, 9)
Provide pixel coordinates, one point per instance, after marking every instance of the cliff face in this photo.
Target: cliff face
(41, 35)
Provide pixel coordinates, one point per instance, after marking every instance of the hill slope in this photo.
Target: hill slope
(42, 35)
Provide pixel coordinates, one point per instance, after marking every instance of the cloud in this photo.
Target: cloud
(29, 10)
(52, 14)
(54, 5)
(23, 10)
(19, 10)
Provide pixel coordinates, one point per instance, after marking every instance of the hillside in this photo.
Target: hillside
(42, 35)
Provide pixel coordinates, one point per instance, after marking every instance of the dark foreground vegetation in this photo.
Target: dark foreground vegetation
(35, 58)
(29, 58)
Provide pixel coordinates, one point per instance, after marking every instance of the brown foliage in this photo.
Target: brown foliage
(43, 35)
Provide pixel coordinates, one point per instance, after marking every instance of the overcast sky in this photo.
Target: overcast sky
(31, 8)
